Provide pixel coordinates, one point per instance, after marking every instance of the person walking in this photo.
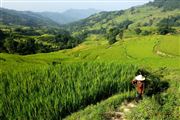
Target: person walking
(138, 81)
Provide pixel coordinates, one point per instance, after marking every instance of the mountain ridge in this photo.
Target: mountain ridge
(24, 18)
(69, 16)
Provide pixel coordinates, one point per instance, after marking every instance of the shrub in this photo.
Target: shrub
(138, 31)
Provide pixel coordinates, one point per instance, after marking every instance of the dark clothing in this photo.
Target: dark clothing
(138, 97)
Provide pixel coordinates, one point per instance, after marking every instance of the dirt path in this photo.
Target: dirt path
(120, 112)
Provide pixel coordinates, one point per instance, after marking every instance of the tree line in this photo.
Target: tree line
(11, 42)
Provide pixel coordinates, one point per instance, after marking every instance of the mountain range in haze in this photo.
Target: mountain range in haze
(69, 16)
(28, 18)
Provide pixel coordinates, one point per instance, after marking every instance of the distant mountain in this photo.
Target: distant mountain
(69, 16)
(24, 18)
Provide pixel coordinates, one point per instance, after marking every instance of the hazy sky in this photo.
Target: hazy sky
(62, 5)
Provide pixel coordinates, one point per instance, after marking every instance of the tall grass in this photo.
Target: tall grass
(53, 92)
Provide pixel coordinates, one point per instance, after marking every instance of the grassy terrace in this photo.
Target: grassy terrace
(53, 85)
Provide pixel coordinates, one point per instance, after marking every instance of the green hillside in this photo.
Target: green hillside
(146, 17)
(24, 18)
(169, 46)
(139, 52)
(25, 32)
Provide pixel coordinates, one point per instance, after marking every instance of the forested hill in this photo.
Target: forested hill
(166, 4)
(25, 32)
(148, 15)
(24, 18)
(36, 33)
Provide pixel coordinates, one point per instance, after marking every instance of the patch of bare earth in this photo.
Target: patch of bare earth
(163, 54)
(120, 112)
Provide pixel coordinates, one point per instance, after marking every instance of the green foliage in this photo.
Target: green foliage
(12, 17)
(2, 37)
(165, 25)
(166, 4)
(147, 109)
(165, 30)
(27, 47)
(10, 45)
(52, 92)
(159, 107)
(169, 45)
(99, 111)
(171, 21)
(121, 33)
(19, 40)
(138, 31)
(112, 34)
(145, 32)
(125, 24)
(29, 32)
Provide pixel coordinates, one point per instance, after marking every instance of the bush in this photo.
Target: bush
(165, 30)
(145, 32)
(138, 31)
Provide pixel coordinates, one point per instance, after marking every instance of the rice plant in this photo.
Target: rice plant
(53, 92)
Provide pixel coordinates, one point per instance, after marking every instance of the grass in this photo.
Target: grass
(52, 92)
(137, 50)
(170, 45)
(96, 112)
(35, 81)
(164, 106)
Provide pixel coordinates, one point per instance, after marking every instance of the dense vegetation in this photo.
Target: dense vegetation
(142, 20)
(55, 91)
(57, 84)
(25, 18)
(164, 106)
(166, 4)
(33, 40)
(46, 36)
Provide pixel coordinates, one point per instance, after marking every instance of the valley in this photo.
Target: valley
(83, 70)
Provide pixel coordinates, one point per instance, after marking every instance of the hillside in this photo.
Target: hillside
(25, 32)
(166, 4)
(24, 18)
(69, 16)
(88, 70)
(145, 16)
(47, 75)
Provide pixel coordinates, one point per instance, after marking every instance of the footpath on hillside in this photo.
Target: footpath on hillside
(120, 113)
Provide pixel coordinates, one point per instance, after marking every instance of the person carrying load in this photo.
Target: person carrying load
(138, 81)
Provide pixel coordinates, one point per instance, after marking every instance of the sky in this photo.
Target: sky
(63, 5)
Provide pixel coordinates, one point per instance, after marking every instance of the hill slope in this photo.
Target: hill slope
(148, 15)
(24, 18)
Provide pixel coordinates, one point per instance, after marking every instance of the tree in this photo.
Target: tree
(121, 33)
(10, 45)
(113, 32)
(145, 32)
(138, 31)
(27, 47)
(2, 37)
(165, 26)
(165, 30)
(125, 24)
